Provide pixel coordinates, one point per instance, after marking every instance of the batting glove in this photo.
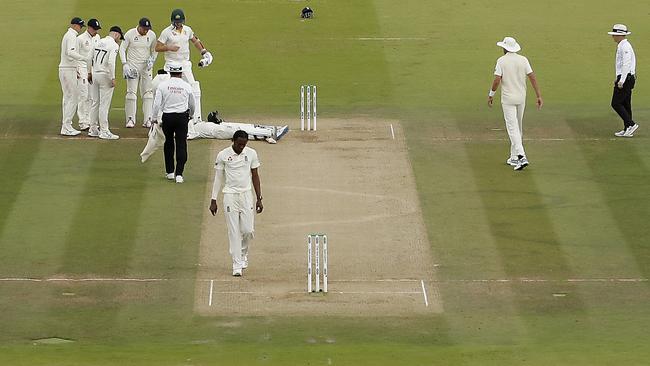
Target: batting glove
(206, 59)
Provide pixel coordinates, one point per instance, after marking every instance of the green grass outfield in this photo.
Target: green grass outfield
(88, 208)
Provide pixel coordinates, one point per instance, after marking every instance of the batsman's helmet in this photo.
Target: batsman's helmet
(307, 13)
(214, 117)
(178, 16)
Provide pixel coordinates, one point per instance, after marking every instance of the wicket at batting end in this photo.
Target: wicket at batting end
(317, 254)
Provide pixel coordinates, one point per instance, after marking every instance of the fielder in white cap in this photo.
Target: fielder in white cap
(625, 80)
(511, 72)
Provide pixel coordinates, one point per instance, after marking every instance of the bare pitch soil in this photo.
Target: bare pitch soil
(352, 181)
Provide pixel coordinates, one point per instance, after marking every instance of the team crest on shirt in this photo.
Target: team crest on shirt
(230, 158)
(136, 38)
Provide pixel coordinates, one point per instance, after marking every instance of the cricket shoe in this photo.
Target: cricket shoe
(271, 140)
(147, 124)
(244, 262)
(130, 123)
(108, 135)
(629, 132)
(84, 126)
(169, 176)
(69, 131)
(512, 161)
(620, 133)
(93, 132)
(281, 131)
(521, 164)
(237, 272)
(179, 179)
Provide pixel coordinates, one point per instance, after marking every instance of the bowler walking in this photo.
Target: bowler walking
(511, 72)
(625, 80)
(237, 166)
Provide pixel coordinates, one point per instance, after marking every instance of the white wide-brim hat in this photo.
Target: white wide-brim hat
(619, 30)
(509, 44)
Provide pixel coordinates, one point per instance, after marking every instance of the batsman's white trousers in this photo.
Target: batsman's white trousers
(188, 76)
(146, 93)
(101, 93)
(68, 79)
(239, 210)
(514, 117)
(83, 107)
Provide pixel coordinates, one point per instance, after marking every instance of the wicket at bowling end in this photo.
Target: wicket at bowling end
(317, 255)
(308, 95)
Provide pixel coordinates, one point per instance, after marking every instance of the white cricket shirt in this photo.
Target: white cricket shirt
(69, 53)
(136, 48)
(171, 36)
(104, 56)
(85, 45)
(625, 60)
(173, 96)
(513, 69)
(237, 169)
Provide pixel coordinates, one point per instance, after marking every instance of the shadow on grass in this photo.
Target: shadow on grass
(522, 232)
(619, 172)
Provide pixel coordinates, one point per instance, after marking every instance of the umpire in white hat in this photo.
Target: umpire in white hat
(625, 80)
(175, 100)
(511, 72)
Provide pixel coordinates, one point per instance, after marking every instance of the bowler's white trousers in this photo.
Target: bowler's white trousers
(514, 117)
(68, 79)
(239, 210)
(101, 93)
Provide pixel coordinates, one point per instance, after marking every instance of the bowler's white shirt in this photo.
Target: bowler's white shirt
(104, 56)
(85, 46)
(237, 168)
(625, 60)
(70, 55)
(513, 69)
(171, 36)
(173, 96)
(136, 48)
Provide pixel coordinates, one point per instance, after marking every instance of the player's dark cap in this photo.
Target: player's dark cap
(118, 30)
(145, 22)
(78, 21)
(94, 24)
(178, 16)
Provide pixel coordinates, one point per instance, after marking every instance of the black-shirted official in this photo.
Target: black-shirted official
(175, 99)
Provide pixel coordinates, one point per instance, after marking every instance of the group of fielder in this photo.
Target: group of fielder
(87, 76)
(87, 70)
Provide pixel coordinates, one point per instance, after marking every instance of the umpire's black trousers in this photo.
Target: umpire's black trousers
(622, 100)
(175, 128)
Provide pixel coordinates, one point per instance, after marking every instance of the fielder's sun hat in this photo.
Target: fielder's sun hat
(172, 66)
(144, 22)
(94, 24)
(619, 30)
(509, 44)
(118, 30)
(77, 20)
